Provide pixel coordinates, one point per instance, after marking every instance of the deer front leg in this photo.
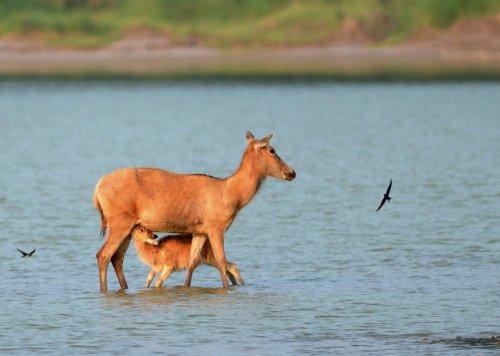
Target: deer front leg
(197, 243)
(149, 279)
(217, 241)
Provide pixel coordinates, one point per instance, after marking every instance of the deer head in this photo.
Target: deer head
(266, 160)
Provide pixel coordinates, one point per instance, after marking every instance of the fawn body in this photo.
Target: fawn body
(172, 253)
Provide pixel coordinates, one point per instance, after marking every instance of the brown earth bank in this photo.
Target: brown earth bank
(469, 48)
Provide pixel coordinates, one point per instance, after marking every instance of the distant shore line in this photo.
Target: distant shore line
(347, 63)
(381, 77)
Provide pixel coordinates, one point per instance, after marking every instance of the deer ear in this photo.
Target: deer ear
(249, 136)
(267, 138)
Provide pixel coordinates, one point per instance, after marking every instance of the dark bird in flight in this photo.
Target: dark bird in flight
(25, 254)
(386, 197)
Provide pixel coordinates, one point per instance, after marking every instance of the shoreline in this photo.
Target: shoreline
(350, 63)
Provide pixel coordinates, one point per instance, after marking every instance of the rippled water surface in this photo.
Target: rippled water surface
(324, 272)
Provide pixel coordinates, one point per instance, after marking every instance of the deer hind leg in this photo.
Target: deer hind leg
(117, 262)
(119, 228)
(197, 243)
(217, 241)
(165, 273)
(232, 270)
(149, 278)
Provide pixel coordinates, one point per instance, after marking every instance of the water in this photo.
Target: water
(324, 272)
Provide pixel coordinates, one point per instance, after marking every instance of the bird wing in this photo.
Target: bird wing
(32, 252)
(389, 188)
(24, 253)
(381, 203)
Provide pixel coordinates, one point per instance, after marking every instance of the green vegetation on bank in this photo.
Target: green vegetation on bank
(228, 23)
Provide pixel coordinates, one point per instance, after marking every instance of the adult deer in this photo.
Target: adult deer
(160, 200)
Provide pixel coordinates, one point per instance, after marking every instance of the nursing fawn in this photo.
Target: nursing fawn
(172, 253)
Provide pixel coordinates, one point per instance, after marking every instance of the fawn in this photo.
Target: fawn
(172, 253)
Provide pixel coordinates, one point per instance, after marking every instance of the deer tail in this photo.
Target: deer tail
(97, 205)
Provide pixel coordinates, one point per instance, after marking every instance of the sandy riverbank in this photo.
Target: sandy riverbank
(467, 50)
(336, 61)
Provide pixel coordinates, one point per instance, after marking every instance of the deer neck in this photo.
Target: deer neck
(245, 182)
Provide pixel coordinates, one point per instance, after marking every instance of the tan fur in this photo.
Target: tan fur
(97, 205)
(160, 200)
(172, 254)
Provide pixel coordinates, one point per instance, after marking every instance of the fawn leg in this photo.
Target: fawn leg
(231, 278)
(149, 278)
(211, 262)
(165, 273)
(233, 270)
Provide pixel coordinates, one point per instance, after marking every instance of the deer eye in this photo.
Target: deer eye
(272, 150)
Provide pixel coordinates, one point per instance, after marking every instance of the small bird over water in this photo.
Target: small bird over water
(386, 197)
(25, 254)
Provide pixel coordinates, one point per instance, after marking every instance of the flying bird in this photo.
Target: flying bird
(386, 197)
(25, 254)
